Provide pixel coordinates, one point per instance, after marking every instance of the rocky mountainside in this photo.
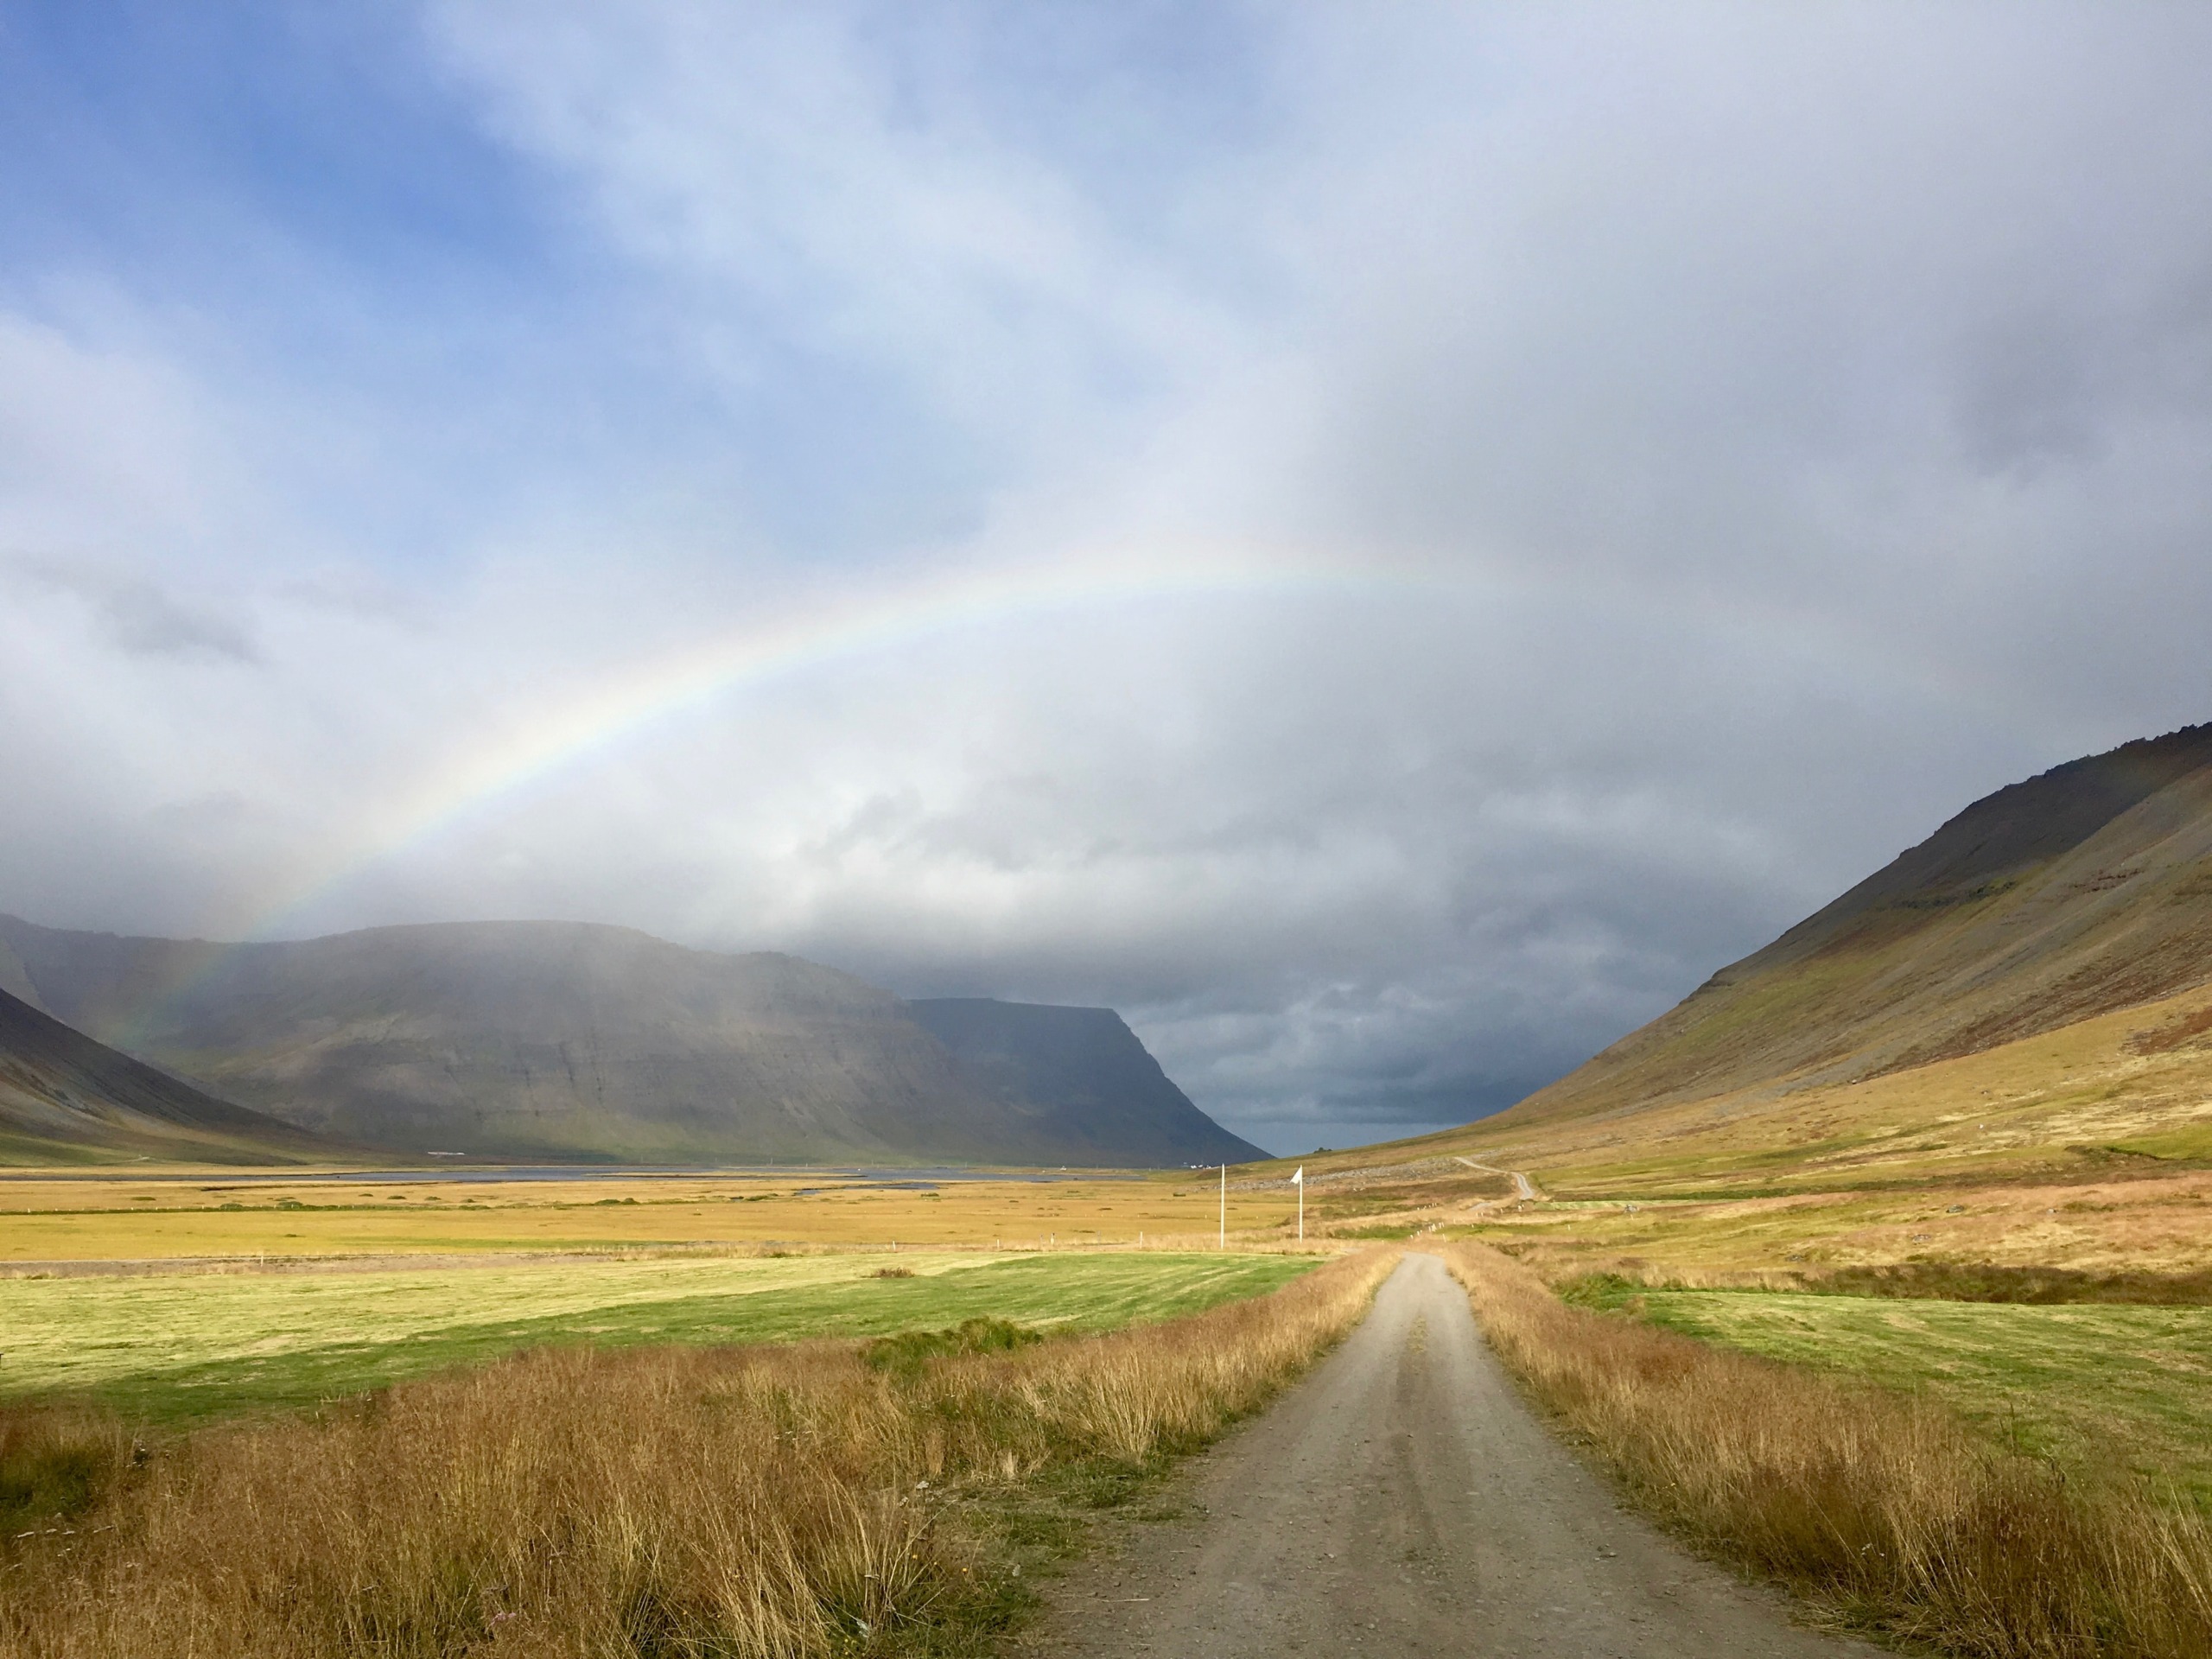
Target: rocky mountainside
(66, 1098)
(1095, 1082)
(2078, 892)
(562, 1041)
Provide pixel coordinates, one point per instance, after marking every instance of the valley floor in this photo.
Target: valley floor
(179, 1346)
(56, 1216)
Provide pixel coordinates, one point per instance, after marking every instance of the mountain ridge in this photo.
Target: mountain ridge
(2082, 890)
(2022, 996)
(64, 1095)
(1085, 1068)
(552, 1041)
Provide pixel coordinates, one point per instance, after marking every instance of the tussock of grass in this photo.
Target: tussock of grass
(1886, 1509)
(55, 1465)
(909, 1350)
(768, 1501)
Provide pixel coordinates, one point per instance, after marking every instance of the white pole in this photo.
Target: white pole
(1301, 1210)
(1224, 1206)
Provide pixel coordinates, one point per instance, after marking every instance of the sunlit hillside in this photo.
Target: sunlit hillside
(2012, 1013)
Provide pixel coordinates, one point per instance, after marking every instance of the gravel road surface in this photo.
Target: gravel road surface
(1401, 1501)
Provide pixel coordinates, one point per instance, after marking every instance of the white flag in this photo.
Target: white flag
(1299, 1180)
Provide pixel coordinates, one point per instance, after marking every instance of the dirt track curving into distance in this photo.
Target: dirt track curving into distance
(1401, 1503)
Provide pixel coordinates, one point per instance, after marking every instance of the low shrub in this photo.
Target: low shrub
(908, 1349)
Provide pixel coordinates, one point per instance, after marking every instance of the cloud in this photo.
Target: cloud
(1549, 497)
(137, 615)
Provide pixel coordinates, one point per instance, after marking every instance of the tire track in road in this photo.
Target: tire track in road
(1402, 1503)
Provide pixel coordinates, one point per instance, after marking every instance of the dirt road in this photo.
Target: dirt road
(1524, 1188)
(1401, 1501)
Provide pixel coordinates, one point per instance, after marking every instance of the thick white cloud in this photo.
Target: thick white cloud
(1651, 466)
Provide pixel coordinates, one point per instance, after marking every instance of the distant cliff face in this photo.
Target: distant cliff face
(2076, 893)
(1086, 1071)
(553, 1040)
(64, 1097)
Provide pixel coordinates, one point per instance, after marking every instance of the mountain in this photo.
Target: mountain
(2025, 994)
(66, 1098)
(1096, 1083)
(560, 1041)
(2079, 892)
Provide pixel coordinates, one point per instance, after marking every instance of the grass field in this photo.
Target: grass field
(2089, 1386)
(166, 1348)
(70, 1215)
(808, 1501)
(2130, 1221)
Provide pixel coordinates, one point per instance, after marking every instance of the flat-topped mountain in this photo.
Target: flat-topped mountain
(569, 1041)
(66, 1098)
(1097, 1084)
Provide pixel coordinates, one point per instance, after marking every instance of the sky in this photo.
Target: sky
(1384, 543)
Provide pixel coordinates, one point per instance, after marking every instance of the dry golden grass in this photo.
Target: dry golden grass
(70, 1215)
(2125, 1091)
(2154, 1224)
(767, 1501)
(1886, 1509)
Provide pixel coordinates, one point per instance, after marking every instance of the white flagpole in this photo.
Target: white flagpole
(1224, 1206)
(1298, 1181)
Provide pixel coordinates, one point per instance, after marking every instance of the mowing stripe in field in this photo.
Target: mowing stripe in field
(2083, 1383)
(187, 1346)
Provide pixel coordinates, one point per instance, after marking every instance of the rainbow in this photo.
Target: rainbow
(620, 705)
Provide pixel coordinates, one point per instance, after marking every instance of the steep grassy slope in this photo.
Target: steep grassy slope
(2086, 890)
(2125, 1092)
(2025, 997)
(560, 1041)
(65, 1097)
(1085, 1069)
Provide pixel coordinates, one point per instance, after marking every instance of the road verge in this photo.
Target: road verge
(1885, 1511)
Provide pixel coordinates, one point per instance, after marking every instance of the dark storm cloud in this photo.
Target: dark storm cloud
(1659, 462)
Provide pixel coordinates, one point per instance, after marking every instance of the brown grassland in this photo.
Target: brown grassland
(2088, 1148)
(813, 1499)
(48, 1216)
(2123, 1095)
(1884, 1508)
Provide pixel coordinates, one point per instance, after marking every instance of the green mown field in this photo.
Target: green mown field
(174, 1347)
(2090, 1385)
